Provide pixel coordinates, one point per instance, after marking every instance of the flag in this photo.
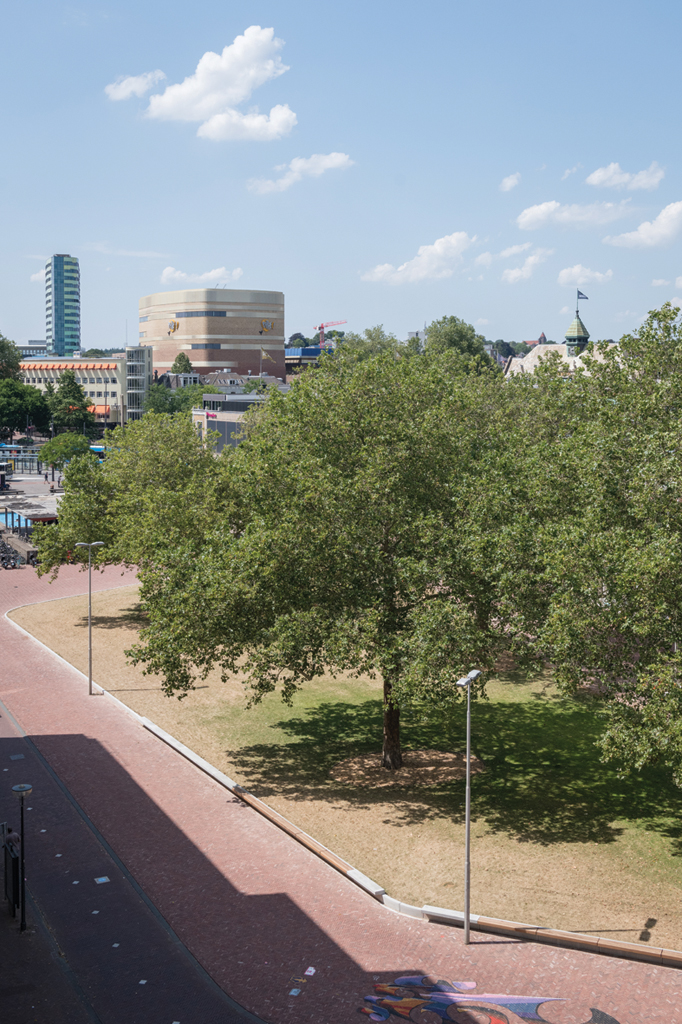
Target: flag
(266, 356)
(580, 295)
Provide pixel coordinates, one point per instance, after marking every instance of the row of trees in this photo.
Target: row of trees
(415, 517)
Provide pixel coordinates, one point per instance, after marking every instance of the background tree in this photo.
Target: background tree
(452, 334)
(70, 408)
(63, 448)
(181, 364)
(602, 464)
(10, 360)
(361, 526)
(373, 341)
(21, 404)
(147, 498)
(160, 399)
(297, 340)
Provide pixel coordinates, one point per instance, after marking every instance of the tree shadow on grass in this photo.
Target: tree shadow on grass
(543, 783)
(128, 618)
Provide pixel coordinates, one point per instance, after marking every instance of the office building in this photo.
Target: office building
(32, 348)
(240, 332)
(63, 305)
(115, 385)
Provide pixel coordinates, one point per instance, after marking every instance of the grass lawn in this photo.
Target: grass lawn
(557, 838)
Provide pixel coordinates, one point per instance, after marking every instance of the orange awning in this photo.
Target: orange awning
(100, 410)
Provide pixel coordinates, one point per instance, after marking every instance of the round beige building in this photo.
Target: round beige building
(217, 328)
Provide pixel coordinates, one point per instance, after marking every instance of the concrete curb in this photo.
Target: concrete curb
(512, 929)
(442, 915)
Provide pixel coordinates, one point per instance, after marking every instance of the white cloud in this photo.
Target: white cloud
(663, 229)
(221, 82)
(678, 282)
(553, 212)
(172, 276)
(486, 258)
(658, 282)
(569, 171)
(564, 310)
(582, 275)
(431, 263)
(613, 176)
(481, 322)
(510, 182)
(107, 250)
(133, 85)
(516, 274)
(300, 167)
(39, 275)
(676, 301)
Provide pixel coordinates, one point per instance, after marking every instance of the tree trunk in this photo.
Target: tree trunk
(392, 756)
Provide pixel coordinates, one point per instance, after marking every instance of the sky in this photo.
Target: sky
(377, 162)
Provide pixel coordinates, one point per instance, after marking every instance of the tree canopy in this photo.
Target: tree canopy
(181, 364)
(160, 399)
(146, 500)
(62, 448)
(69, 406)
(21, 404)
(10, 360)
(411, 518)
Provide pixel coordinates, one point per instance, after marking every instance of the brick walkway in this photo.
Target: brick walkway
(251, 905)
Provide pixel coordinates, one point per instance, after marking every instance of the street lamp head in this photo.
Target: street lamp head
(95, 544)
(23, 789)
(466, 680)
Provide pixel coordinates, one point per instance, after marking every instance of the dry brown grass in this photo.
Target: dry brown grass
(612, 879)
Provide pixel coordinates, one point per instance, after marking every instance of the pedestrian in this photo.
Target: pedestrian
(59, 481)
(13, 839)
(46, 478)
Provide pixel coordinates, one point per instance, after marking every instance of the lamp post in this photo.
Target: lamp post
(467, 681)
(94, 544)
(21, 791)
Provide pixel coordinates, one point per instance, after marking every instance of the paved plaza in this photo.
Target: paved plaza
(209, 912)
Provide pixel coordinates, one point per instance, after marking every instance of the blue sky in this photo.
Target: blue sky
(433, 159)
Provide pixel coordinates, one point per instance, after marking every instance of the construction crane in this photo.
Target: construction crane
(331, 323)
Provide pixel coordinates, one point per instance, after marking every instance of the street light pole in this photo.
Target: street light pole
(94, 544)
(21, 791)
(467, 681)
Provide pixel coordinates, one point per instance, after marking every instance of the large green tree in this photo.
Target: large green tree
(148, 498)
(63, 448)
(70, 407)
(21, 404)
(361, 526)
(603, 467)
(10, 360)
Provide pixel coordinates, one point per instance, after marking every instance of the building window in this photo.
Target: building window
(92, 394)
(143, 334)
(143, 319)
(99, 380)
(201, 312)
(92, 380)
(210, 344)
(113, 394)
(99, 394)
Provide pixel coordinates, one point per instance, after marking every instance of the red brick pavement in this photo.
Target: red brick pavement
(253, 906)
